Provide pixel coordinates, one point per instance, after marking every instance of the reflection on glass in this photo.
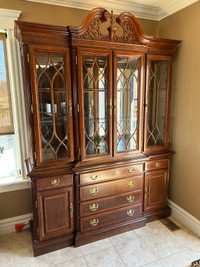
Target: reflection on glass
(128, 78)
(52, 105)
(158, 83)
(95, 88)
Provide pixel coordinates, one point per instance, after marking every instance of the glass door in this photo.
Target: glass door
(157, 102)
(128, 95)
(50, 72)
(95, 96)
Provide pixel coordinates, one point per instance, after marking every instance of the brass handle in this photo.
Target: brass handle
(93, 177)
(131, 184)
(130, 198)
(130, 212)
(146, 105)
(131, 170)
(94, 207)
(71, 210)
(94, 222)
(111, 106)
(94, 191)
(55, 182)
(146, 193)
(157, 164)
(70, 108)
(115, 106)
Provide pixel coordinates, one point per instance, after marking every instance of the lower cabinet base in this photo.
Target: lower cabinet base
(42, 247)
(88, 237)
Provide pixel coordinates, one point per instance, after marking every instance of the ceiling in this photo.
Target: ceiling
(147, 9)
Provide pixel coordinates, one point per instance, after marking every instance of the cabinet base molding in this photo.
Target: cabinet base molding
(42, 247)
(156, 215)
(95, 235)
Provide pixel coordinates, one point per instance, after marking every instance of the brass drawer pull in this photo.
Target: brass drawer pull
(94, 222)
(94, 191)
(131, 170)
(146, 193)
(93, 177)
(94, 207)
(55, 182)
(130, 198)
(130, 212)
(71, 210)
(131, 184)
(157, 164)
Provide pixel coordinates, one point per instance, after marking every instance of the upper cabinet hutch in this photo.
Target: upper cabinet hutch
(97, 104)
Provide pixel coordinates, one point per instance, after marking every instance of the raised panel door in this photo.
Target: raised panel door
(156, 188)
(55, 213)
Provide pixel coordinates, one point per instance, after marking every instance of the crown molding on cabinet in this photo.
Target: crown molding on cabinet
(141, 11)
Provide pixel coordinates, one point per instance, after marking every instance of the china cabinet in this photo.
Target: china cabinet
(97, 106)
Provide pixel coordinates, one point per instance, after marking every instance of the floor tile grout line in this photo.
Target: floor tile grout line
(118, 254)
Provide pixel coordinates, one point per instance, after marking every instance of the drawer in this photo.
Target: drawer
(111, 188)
(156, 164)
(110, 217)
(109, 203)
(114, 173)
(54, 182)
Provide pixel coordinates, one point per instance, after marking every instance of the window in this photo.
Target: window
(13, 140)
(8, 140)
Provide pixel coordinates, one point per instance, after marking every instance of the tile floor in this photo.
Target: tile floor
(151, 246)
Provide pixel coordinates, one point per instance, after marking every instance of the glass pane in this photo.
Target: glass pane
(52, 105)
(128, 83)
(158, 84)
(96, 85)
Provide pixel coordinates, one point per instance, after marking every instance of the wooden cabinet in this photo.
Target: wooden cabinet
(55, 212)
(156, 185)
(97, 106)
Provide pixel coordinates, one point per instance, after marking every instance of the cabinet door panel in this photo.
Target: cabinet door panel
(128, 95)
(156, 186)
(95, 96)
(55, 213)
(51, 84)
(157, 102)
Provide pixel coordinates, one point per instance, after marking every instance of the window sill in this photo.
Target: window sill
(14, 184)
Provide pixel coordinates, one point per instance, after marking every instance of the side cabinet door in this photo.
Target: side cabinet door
(55, 213)
(156, 187)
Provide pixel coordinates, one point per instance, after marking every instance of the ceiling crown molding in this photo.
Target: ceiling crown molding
(140, 11)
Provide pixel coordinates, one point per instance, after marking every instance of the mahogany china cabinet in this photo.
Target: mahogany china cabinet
(97, 104)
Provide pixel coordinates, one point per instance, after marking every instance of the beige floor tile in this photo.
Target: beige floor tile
(182, 259)
(95, 246)
(23, 258)
(162, 244)
(123, 238)
(135, 253)
(186, 238)
(154, 264)
(22, 240)
(64, 254)
(80, 262)
(156, 227)
(194, 252)
(104, 258)
(143, 232)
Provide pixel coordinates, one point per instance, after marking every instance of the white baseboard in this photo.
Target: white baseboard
(185, 218)
(8, 225)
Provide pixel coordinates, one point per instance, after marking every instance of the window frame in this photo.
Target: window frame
(7, 18)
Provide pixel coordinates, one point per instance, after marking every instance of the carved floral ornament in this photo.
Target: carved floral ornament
(117, 24)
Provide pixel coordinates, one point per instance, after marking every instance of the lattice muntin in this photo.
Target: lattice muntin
(96, 130)
(53, 128)
(158, 82)
(128, 140)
